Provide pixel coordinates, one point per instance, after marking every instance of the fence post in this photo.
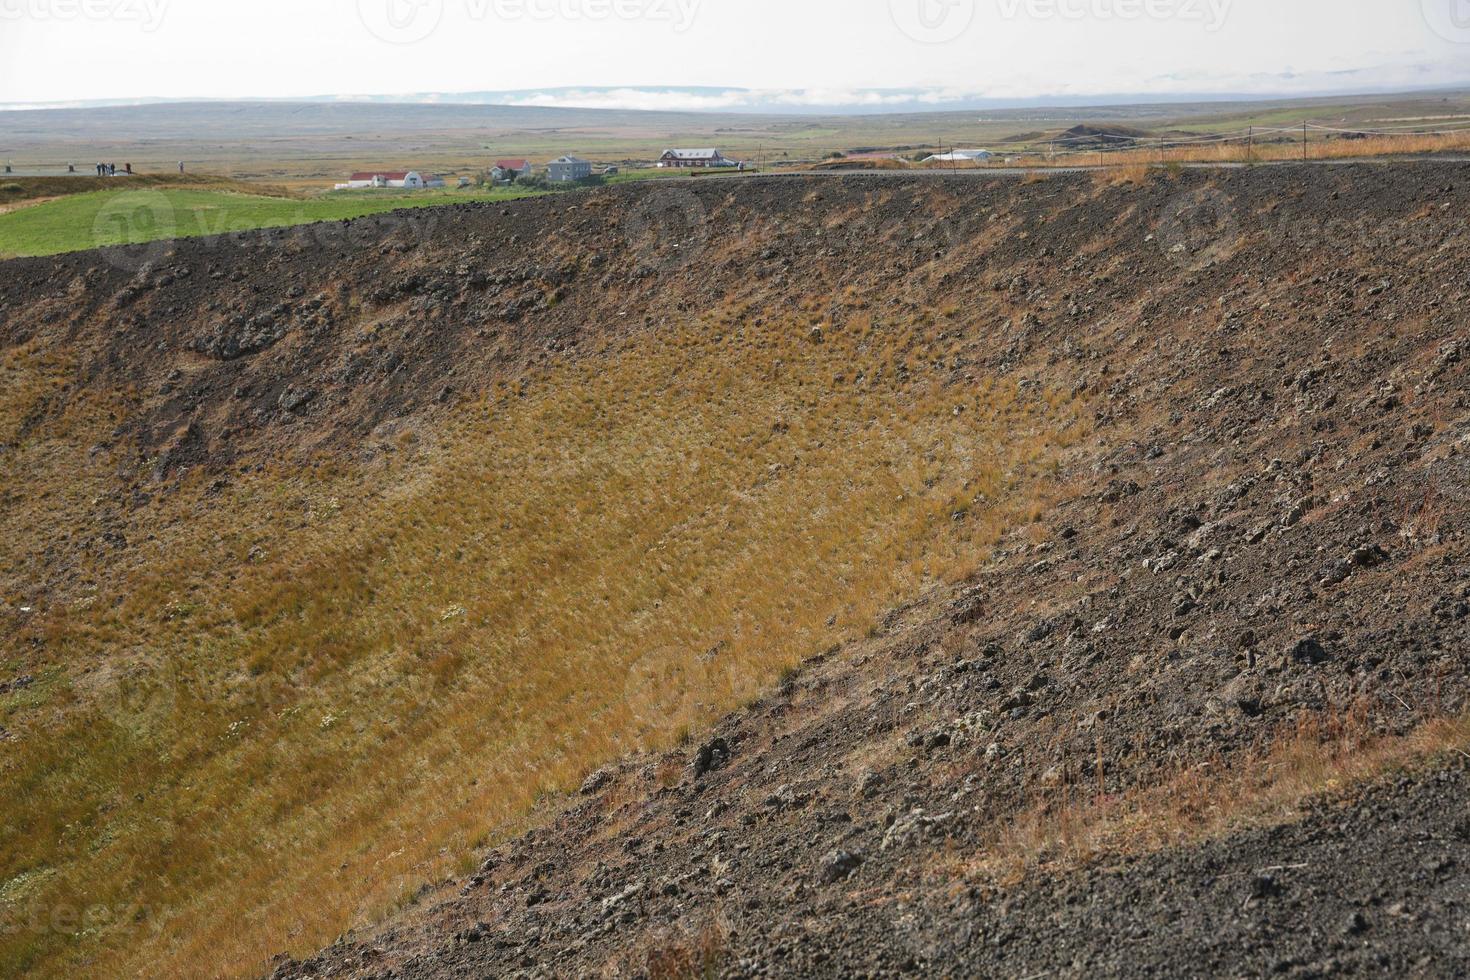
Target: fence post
(1250, 145)
(1304, 142)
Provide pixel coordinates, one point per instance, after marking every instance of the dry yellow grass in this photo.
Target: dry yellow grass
(1318, 148)
(684, 954)
(1324, 754)
(326, 684)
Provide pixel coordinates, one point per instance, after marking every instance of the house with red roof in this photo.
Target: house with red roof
(708, 157)
(511, 169)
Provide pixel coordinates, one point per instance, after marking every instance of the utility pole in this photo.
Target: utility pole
(1250, 145)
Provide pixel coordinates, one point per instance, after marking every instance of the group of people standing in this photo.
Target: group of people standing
(110, 169)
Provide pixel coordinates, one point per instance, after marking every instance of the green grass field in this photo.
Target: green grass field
(98, 218)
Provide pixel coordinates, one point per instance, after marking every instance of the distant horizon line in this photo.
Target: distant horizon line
(766, 102)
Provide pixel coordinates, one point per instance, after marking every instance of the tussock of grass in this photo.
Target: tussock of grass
(684, 954)
(321, 687)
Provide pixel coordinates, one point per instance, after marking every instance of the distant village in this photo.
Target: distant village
(563, 170)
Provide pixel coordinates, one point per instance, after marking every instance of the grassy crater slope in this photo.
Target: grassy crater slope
(328, 556)
(1158, 725)
(273, 673)
(148, 212)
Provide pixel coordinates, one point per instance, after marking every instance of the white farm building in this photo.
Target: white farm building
(405, 179)
(959, 156)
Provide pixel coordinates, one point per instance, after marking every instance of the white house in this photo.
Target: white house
(565, 170)
(510, 169)
(709, 157)
(406, 179)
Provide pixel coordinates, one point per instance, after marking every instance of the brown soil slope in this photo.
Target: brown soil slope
(1250, 591)
(1267, 549)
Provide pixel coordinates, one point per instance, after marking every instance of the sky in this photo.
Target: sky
(792, 52)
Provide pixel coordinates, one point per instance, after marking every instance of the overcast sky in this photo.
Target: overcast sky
(793, 50)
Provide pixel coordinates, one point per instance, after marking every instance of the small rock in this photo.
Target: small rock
(711, 756)
(1368, 556)
(787, 798)
(839, 865)
(1264, 886)
(612, 902)
(595, 782)
(296, 399)
(1019, 698)
(1308, 651)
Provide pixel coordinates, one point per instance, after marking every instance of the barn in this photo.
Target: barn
(406, 179)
